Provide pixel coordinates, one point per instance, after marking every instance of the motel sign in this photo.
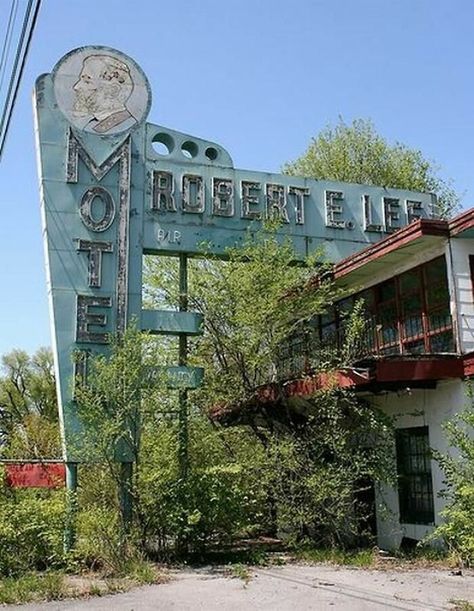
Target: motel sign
(108, 198)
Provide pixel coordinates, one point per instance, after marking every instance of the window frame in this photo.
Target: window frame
(377, 310)
(414, 475)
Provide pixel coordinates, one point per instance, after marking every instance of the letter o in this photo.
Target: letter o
(85, 209)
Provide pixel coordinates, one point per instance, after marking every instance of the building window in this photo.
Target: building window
(415, 486)
(407, 314)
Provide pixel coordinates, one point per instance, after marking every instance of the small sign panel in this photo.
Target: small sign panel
(35, 475)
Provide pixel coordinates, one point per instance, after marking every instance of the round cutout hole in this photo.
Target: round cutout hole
(211, 153)
(162, 143)
(189, 149)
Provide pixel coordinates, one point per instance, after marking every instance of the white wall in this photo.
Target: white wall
(416, 408)
(460, 286)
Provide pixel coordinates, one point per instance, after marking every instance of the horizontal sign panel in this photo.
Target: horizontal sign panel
(35, 475)
(178, 378)
(184, 377)
(171, 323)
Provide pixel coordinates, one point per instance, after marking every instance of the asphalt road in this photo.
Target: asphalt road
(290, 587)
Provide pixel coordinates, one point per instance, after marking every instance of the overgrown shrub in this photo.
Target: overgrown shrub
(457, 530)
(221, 497)
(101, 542)
(319, 471)
(31, 529)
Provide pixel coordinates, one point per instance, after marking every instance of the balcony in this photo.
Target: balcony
(381, 356)
(374, 339)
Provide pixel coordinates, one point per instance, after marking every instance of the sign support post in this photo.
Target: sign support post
(183, 393)
(71, 509)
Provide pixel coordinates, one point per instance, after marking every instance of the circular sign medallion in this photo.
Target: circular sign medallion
(101, 91)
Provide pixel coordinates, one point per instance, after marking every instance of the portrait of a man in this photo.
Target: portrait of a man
(101, 93)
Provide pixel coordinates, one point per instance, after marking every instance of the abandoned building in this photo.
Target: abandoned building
(413, 360)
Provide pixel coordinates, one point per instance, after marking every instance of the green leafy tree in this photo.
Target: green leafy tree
(357, 153)
(28, 406)
(457, 529)
(251, 302)
(322, 469)
(111, 404)
(124, 409)
(307, 455)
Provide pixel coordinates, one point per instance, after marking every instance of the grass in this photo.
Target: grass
(33, 587)
(55, 585)
(143, 573)
(425, 557)
(359, 558)
(418, 558)
(462, 605)
(240, 571)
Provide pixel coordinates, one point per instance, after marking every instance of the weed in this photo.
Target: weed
(360, 558)
(240, 571)
(96, 590)
(143, 572)
(31, 587)
(424, 556)
(461, 605)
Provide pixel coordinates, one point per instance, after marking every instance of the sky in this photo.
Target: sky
(261, 78)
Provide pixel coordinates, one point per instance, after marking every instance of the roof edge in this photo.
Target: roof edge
(415, 230)
(462, 222)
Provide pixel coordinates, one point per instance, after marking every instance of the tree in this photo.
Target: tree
(125, 410)
(357, 153)
(311, 457)
(457, 530)
(250, 303)
(28, 406)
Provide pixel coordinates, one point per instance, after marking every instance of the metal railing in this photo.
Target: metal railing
(314, 349)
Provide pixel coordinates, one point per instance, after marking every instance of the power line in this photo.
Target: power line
(18, 68)
(7, 41)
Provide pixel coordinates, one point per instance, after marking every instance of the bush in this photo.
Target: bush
(319, 472)
(457, 531)
(101, 542)
(31, 529)
(222, 495)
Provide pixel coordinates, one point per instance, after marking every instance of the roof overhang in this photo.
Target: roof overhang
(391, 252)
(401, 247)
(292, 400)
(462, 226)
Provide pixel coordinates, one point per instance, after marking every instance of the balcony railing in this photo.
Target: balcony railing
(316, 349)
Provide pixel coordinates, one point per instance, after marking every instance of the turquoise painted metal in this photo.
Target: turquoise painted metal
(161, 322)
(114, 187)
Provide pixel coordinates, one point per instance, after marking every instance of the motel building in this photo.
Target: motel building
(413, 360)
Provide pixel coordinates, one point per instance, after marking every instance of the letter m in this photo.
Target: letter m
(75, 150)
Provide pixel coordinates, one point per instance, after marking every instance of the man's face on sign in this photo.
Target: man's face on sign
(87, 88)
(101, 88)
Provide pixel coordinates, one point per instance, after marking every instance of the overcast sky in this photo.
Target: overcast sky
(259, 77)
